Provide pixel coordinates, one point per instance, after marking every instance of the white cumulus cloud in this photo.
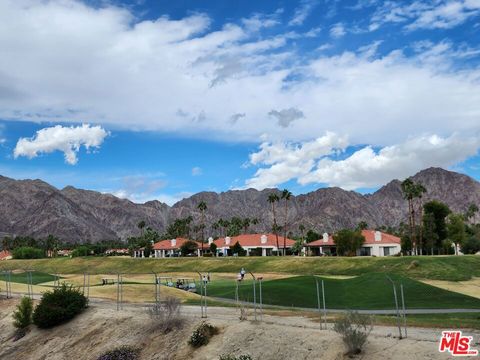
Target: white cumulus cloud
(68, 140)
(285, 161)
(311, 162)
(66, 61)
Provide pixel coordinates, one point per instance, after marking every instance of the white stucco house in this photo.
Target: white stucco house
(254, 244)
(377, 243)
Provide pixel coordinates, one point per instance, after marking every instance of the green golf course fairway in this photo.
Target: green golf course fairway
(368, 291)
(37, 277)
(452, 268)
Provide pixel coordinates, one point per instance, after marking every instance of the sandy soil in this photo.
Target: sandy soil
(101, 328)
(469, 287)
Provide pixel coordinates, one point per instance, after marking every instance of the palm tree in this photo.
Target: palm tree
(246, 224)
(202, 206)
(408, 189)
(471, 212)
(6, 243)
(419, 190)
(272, 199)
(301, 227)
(215, 227)
(286, 195)
(141, 225)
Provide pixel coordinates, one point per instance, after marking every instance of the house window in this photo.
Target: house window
(365, 251)
(388, 250)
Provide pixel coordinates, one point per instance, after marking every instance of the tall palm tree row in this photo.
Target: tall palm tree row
(286, 195)
(412, 191)
(202, 206)
(141, 226)
(272, 199)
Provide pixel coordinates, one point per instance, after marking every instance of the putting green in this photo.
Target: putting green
(368, 291)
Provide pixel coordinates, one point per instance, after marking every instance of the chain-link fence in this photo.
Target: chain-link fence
(391, 298)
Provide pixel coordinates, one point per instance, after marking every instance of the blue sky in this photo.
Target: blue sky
(162, 99)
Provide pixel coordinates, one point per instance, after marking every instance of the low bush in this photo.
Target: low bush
(166, 314)
(354, 328)
(22, 317)
(28, 252)
(122, 353)
(202, 334)
(233, 357)
(59, 306)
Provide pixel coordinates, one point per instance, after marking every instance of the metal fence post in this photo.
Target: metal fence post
(121, 292)
(324, 306)
(88, 285)
(261, 301)
(10, 284)
(205, 297)
(396, 305)
(30, 286)
(201, 293)
(318, 303)
(155, 279)
(404, 311)
(118, 291)
(254, 296)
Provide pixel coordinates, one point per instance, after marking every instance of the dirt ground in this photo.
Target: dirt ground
(101, 328)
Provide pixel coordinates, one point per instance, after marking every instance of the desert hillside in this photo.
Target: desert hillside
(35, 208)
(101, 328)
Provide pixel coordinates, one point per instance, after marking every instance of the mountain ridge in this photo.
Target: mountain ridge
(36, 208)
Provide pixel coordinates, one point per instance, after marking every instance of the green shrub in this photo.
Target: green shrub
(122, 353)
(202, 334)
(354, 328)
(22, 317)
(233, 357)
(27, 252)
(81, 250)
(59, 306)
(238, 249)
(471, 246)
(188, 247)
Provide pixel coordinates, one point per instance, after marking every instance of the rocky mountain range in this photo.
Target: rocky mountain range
(35, 208)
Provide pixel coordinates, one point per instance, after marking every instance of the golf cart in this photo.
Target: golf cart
(165, 280)
(187, 284)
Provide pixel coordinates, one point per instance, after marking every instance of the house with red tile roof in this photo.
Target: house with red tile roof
(377, 243)
(166, 248)
(169, 248)
(5, 255)
(254, 244)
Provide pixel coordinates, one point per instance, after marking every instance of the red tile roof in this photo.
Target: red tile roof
(5, 254)
(254, 240)
(369, 239)
(167, 244)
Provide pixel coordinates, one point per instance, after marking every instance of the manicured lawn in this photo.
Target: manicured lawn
(37, 277)
(453, 268)
(368, 291)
